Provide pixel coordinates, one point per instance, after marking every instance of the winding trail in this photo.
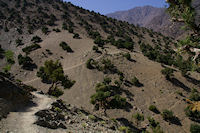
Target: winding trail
(22, 120)
(75, 66)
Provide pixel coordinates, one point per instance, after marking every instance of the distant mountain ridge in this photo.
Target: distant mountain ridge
(150, 17)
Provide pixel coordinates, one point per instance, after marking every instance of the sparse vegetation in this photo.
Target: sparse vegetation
(106, 96)
(168, 72)
(53, 72)
(31, 48)
(45, 29)
(36, 39)
(136, 82)
(10, 57)
(19, 42)
(76, 36)
(66, 47)
(26, 62)
(195, 128)
(154, 109)
(127, 56)
(138, 118)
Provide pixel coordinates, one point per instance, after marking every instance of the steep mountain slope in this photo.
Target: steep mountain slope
(150, 17)
(101, 48)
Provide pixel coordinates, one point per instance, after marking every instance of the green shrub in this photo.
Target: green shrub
(66, 47)
(107, 80)
(153, 123)
(89, 63)
(136, 82)
(64, 26)
(168, 72)
(71, 30)
(195, 115)
(76, 36)
(154, 109)
(138, 118)
(31, 48)
(7, 68)
(45, 29)
(36, 39)
(56, 30)
(167, 115)
(10, 57)
(95, 48)
(26, 62)
(19, 42)
(99, 41)
(118, 102)
(127, 56)
(92, 117)
(195, 95)
(56, 92)
(195, 128)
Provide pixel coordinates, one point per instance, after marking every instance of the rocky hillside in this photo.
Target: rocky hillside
(150, 17)
(13, 95)
(112, 69)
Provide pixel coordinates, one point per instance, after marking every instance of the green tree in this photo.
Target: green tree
(138, 118)
(53, 73)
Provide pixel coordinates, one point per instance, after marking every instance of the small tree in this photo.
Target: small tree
(53, 73)
(138, 118)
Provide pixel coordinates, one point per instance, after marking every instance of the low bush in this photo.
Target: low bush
(31, 48)
(168, 72)
(127, 56)
(168, 115)
(89, 64)
(195, 128)
(154, 109)
(45, 29)
(56, 30)
(36, 39)
(56, 92)
(10, 57)
(19, 42)
(136, 82)
(26, 62)
(66, 47)
(76, 36)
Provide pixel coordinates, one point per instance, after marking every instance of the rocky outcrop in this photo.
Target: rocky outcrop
(12, 94)
(71, 118)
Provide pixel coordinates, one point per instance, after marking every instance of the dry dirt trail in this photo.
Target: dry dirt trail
(74, 66)
(22, 121)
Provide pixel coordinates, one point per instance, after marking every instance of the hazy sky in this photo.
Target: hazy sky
(108, 6)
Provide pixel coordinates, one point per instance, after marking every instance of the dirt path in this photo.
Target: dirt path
(22, 121)
(72, 67)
